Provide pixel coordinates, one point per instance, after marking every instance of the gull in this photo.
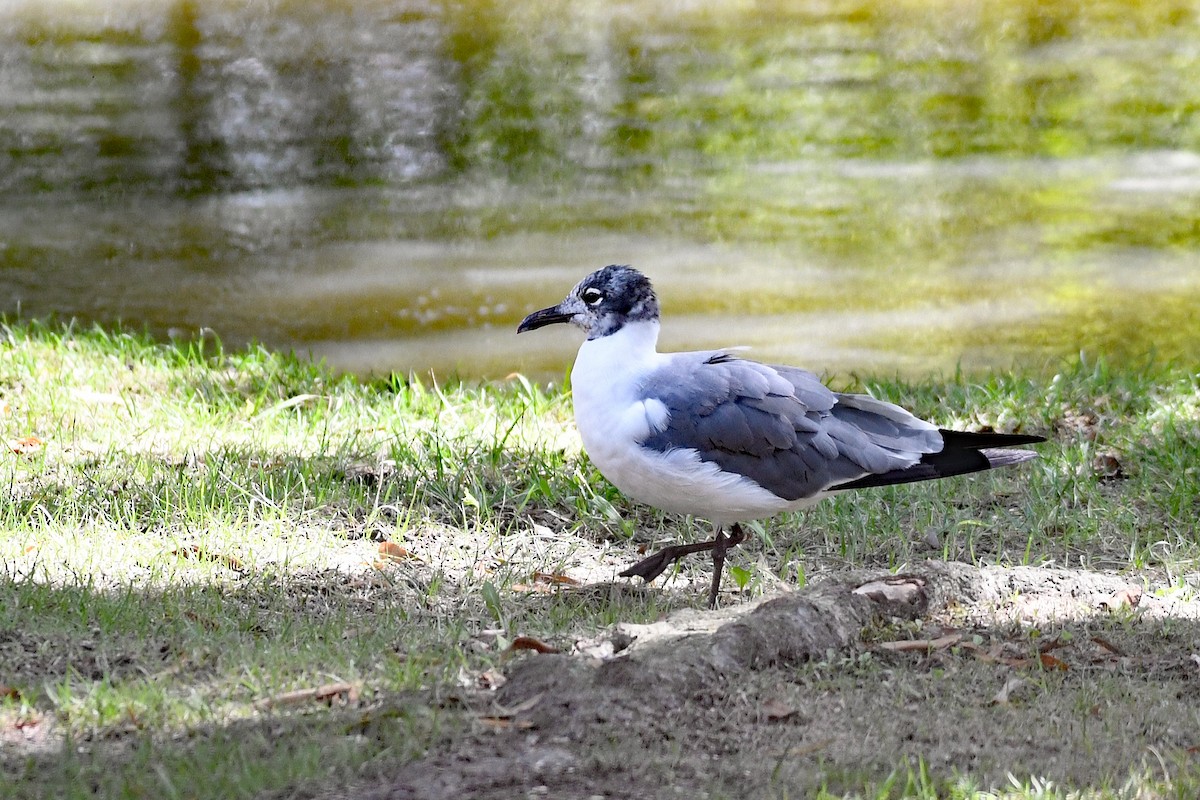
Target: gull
(727, 439)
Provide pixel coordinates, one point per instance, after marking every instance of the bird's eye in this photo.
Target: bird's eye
(592, 296)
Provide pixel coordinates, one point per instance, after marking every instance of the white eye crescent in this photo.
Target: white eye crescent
(592, 296)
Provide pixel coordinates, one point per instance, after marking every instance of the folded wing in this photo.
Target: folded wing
(780, 427)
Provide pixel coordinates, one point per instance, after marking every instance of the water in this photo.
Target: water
(392, 185)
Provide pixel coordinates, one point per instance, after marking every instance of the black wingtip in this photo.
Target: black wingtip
(962, 453)
(968, 440)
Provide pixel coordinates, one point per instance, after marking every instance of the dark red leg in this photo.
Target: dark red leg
(654, 565)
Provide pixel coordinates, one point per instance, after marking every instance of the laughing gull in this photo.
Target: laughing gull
(721, 437)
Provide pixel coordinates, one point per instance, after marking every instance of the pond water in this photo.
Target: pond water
(392, 185)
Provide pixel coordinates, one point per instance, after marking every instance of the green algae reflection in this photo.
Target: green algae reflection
(392, 184)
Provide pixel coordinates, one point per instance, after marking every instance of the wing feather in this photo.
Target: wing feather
(780, 426)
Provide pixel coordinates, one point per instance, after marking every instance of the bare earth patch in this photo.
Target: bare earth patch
(979, 674)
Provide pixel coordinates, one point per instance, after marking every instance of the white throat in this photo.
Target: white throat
(614, 364)
(605, 384)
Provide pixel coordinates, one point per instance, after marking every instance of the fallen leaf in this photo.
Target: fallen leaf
(394, 553)
(9, 693)
(346, 692)
(554, 578)
(1053, 644)
(776, 710)
(906, 645)
(1052, 663)
(1002, 697)
(530, 643)
(1107, 645)
(24, 445)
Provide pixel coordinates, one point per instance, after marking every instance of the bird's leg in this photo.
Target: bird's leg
(721, 545)
(654, 565)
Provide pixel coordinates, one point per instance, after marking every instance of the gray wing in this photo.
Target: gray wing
(780, 426)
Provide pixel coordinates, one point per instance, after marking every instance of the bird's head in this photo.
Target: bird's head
(602, 303)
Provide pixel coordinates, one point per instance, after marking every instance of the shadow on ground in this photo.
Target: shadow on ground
(1044, 673)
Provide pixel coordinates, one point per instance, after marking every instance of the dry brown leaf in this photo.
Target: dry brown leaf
(394, 553)
(906, 645)
(1051, 663)
(24, 445)
(530, 643)
(554, 578)
(1053, 644)
(345, 692)
(1107, 645)
(9, 693)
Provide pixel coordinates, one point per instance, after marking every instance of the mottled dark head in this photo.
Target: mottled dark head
(602, 303)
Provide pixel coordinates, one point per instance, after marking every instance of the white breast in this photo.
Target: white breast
(613, 420)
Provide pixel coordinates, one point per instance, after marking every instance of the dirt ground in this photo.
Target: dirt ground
(976, 675)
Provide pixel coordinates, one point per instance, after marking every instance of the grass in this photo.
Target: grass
(191, 532)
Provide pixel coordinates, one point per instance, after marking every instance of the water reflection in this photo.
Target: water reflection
(391, 185)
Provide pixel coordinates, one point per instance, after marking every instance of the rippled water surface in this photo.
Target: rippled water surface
(393, 185)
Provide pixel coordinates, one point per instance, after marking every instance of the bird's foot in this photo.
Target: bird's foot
(654, 565)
